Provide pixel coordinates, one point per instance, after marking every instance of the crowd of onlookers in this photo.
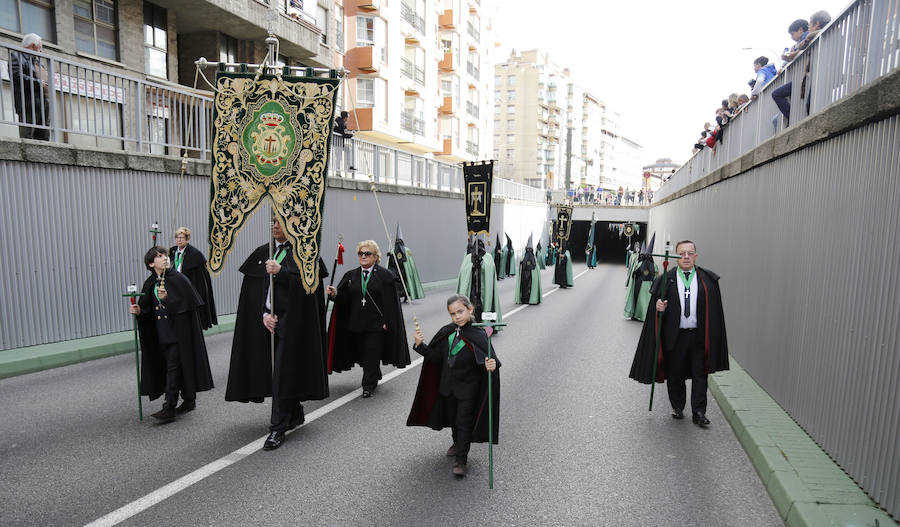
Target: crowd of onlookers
(802, 32)
(590, 194)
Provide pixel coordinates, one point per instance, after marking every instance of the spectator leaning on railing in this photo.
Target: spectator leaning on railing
(782, 94)
(798, 30)
(30, 90)
(765, 72)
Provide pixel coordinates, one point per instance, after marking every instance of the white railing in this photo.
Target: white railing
(74, 103)
(859, 46)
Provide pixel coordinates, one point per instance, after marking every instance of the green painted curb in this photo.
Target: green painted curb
(32, 359)
(56, 354)
(807, 487)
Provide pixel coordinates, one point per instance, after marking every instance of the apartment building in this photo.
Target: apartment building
(659, 171)
(416, 81)
(550, 132)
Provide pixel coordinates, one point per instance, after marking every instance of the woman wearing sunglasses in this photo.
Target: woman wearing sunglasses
(367, 321)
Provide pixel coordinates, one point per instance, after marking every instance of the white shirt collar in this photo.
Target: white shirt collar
(367, 268)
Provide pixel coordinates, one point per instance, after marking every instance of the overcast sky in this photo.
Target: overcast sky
(665, 65)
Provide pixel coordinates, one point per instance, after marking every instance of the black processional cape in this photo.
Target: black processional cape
(428, 408)
(302, 314)
(271, 139)
(710, 326)
(382, 294)
(193, 266)
(182, 305)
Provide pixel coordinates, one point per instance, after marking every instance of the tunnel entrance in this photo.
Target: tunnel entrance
(610, 247)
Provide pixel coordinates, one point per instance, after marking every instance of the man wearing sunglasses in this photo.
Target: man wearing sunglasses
(693, 337)
(367, 321)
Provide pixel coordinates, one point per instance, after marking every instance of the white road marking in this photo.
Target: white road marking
(141, 504)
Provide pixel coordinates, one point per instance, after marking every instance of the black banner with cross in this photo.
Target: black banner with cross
(478, 178)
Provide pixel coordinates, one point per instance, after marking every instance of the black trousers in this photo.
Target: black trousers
(687, 359)
(368, 346)
(174, 379)
(461, 412)
(287, 412)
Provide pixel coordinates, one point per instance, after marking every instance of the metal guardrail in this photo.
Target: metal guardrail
(68, 102)
(859, 46)
(389, 165)
(415, 20)
(50, 98)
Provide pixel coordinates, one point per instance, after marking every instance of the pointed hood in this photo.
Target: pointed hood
(648, 249)
(508, 241)
(399, 236)
(529, 244)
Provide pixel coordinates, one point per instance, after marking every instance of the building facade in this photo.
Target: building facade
(656, 173)
(550, 132)
(416, 76)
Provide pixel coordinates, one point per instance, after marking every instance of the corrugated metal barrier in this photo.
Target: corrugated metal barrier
(808, 247)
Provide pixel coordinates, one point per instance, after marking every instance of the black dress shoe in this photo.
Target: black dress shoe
(677, 414)
(274, 440)
(165, 415)
(700, 420)
(186, 406)
(367, 394)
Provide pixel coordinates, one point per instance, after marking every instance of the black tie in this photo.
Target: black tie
(366, 274)
(687, 295)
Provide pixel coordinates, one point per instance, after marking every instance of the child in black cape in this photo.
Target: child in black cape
(452, 388)
(173, 352)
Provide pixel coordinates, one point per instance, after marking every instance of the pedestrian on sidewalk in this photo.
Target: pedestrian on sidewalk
(173, 352)
(452, 389)
(295, 320)
(693, 337)
(367, 325)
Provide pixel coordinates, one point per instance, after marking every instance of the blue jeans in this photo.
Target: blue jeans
(782, 97)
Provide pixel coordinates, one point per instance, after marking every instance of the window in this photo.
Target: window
(371, 31)
(155, 41)
(95, 27)
(510, 139)
(511, 80)
(322, 23)
(29, 16)
(510, 108)
(227, 48)
(365, 93)
(511, 93)
(509, 154)
(339, 24)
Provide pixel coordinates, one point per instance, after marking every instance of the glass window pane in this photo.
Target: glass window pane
(106, 43)
(9, 15)
(155, 62)
(106, 11)
(159, 38)
(83, 8)
(148, 35)
(38, 19)
(84, 36)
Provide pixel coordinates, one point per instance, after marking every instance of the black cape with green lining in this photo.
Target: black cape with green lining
(710, 327)
(428, 408)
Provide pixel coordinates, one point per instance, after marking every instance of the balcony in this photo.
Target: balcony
(409, 14)
(406, 68)
(352, 7)
(446, 20)
(472, 109)
(447, 63)
(472, 148)
(365, 116)
(360, 60)
(410, 123)
(447, 107)
(473, 70)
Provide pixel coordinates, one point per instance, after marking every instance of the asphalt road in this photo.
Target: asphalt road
(577, 444)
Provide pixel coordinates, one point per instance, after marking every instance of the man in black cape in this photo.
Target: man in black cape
(189, 261)
(367, 324)
(457, 378)
(298, 372)
(694, 343)
(510, 262)
(173, 352)
(562, 272)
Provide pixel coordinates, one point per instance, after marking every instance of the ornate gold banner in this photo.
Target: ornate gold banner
(272, 138)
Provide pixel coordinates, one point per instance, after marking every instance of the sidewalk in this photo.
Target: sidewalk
(806, 485)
